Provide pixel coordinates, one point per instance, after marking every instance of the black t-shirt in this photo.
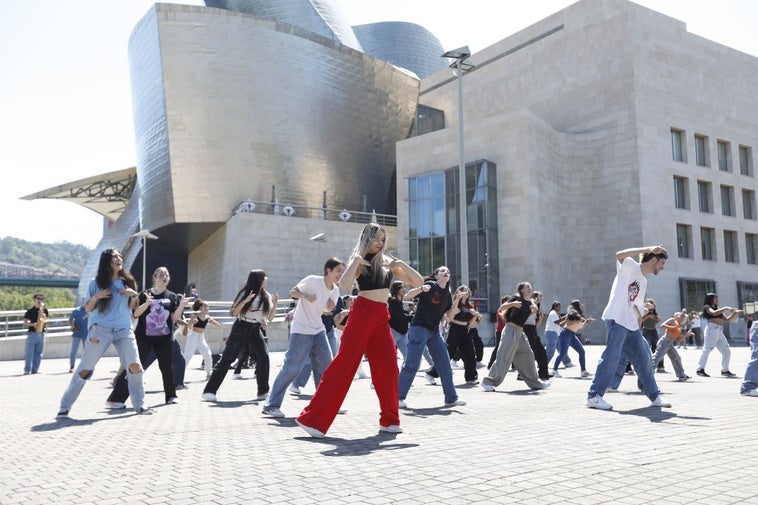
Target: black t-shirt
(33, 316)
(399, 318)
(156, 320)
(518, 316)
(432, 306)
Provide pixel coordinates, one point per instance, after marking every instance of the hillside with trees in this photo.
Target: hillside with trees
(61, 258)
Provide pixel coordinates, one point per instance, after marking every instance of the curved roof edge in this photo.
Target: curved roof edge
(107, 194)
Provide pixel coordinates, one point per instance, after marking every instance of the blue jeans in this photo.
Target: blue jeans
(302, 379)
(35, 344)
(751, 373)
(75, 342)
(401, 342)
(301, 348)
(99, 339)
(418, 339)
(567, 339)
(632, 346)
(551, 344)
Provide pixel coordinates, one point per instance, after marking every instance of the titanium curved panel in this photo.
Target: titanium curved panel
(319, 16)
(406, 45)
(250, 104)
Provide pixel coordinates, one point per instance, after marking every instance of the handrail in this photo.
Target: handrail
(57, 324)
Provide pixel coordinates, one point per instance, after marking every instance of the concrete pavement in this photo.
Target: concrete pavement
(510, 446)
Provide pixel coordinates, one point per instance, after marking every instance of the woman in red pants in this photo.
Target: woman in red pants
(367, 331)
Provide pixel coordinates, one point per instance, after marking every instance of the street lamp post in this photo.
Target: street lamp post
(144, 235)
(460, 55)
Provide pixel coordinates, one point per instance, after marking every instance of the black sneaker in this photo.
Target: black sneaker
(702, 373)
(728, 374)
(63, 414)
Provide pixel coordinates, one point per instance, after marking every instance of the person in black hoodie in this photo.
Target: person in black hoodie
(399, 317)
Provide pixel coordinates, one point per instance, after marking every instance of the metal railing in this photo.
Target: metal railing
(12, 321)
(324, 213)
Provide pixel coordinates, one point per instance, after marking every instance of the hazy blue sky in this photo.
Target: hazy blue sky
(65, 91)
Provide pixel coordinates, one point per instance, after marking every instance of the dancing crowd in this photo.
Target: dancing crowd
(395, 309)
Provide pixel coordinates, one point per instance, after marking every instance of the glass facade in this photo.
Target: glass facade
(434, 227)
(693, 291)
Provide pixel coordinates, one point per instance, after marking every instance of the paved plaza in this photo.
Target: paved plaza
(510, 446)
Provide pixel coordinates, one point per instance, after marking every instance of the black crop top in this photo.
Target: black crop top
(200, 323)
(708, 315)
(518, 316)
(369, 280)
(465, 315)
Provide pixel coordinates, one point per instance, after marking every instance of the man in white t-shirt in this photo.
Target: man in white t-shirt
(623, 335)
(307, 332)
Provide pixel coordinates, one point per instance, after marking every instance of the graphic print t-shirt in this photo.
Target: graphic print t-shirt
(432, 306)
(627, 292)
(156, 320)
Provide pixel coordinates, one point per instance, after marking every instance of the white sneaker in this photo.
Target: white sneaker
(342, 411)
(455, 365)
(392, 428)
(115, 405)
(401, 404)
(209, 397)
(489, 388)
(272, 412)
(570, 365)
(546, 384)
(237, 376)
(586, 373)
(456, 403)
(310, 431)
(659, 402)
(295, 390)
(556, 375)
(430, 379)
(597, 402)
(261, 397)
(750, 392)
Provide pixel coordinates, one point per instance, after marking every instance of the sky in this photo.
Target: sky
(65, 99)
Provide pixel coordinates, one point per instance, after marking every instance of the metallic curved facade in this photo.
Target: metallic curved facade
(319, 16)
(227, 106)
(406, 45)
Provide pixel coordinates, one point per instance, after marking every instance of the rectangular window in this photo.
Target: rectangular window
(677, 146)
(746, 160)
(701, 150)
(727, 201)
(680, 193)
(730, 246)
(751, 248)
(704, 196)
(693, 292)
(724, 158)
(684, 240)
(748, 204)
(708, 243)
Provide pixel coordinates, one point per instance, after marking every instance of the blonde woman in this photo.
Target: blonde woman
(367, 331)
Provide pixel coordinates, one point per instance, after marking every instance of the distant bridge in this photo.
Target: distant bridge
(42, 282)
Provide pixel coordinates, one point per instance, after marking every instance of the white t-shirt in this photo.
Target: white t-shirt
(628, 291)
(551, 322)
(307, 318)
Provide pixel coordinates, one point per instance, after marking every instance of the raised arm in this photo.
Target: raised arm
(636, 251)
(404, 272)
